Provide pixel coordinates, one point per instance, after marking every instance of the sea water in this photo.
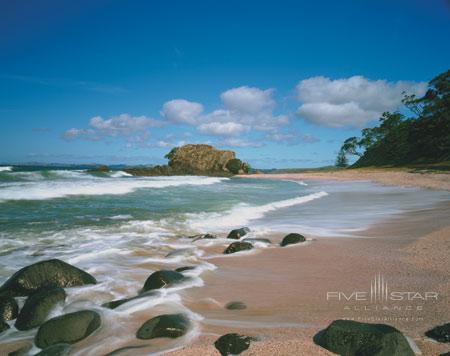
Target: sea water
(121, 228)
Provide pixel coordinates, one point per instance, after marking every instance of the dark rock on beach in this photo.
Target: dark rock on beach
(68, 328)
(167, 325)
(238, 246)
(38, 306)
(116, 303)
(8, 308)
(209, 236)
(203, 237)
(161, 279)
(235, 306)
(55, 350)
(45, 274)
(351, 338)
(440, 333)
(3, 326)
(238, 233)
(292, 239)
(232, 344)
(185, 268)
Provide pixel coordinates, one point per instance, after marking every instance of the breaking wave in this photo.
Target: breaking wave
(244, 213)
(72, 183)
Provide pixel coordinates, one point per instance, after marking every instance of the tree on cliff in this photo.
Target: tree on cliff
(421, 138)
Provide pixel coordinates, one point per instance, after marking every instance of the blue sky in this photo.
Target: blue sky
(282, 83)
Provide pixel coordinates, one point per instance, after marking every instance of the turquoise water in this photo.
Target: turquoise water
(40, 204)
(121, 228)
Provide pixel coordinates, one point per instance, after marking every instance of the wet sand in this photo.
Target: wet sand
(290, 292)
(285, 289)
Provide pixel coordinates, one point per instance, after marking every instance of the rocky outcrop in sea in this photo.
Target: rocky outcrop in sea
(198, 159)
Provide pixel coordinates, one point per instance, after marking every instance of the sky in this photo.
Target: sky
(282, 83)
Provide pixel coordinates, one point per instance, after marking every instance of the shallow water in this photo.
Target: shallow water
(121, 229)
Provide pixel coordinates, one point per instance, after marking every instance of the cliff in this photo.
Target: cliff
(196, 160)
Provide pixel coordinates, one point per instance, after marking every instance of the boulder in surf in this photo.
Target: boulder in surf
(167, 325)
(38, 306)
(238, 246)
(8, 308)
(45, 274)
(238, 233)
(293, 238)
(162, 279)
(68, 328)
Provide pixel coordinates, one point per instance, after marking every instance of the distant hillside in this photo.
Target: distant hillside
(421, 139)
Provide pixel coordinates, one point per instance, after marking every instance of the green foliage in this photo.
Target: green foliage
(171, 154)
(234, 165)
(398, 140)
(246, 167)
(341, 160)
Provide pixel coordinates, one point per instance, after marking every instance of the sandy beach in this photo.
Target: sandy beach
(290, 293)
(290, 290)
(439, 181)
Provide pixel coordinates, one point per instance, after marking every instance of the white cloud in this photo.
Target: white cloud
(219, 115)
(223, 129)
(168, 143)
(267, 122)
(238, 142)
(135, 129)
(248, 100)
(352, 101)
(74, 133)
(337, 115)
(182, 111)
(123, 124)
(244, 109)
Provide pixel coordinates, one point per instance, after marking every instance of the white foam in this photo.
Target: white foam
(50, 189)
(299, 182)
(65, 173)
(120, 174)
(413, 345)
(244, 213)
(31, 176)
(95, 254)
(50, 175)
(121, 217)
(5, 169)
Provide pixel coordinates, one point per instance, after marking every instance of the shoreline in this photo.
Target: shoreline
(435, 181)
(285, 289)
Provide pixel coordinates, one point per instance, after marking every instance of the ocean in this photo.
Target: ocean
(121, 228)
